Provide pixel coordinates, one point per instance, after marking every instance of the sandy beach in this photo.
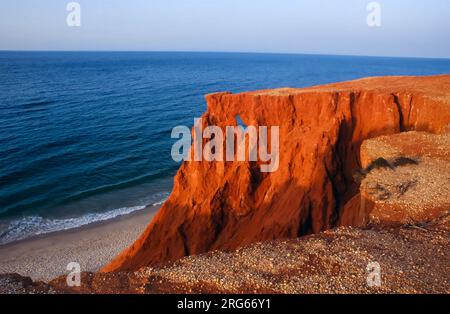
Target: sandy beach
(46, 256)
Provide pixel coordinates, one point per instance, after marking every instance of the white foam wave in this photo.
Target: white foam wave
(35, 225)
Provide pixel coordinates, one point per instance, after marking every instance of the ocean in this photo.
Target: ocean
(85, 136)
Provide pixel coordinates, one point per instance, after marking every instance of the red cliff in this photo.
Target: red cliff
(225, 205)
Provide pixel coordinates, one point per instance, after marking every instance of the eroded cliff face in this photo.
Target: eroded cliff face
(225, 205)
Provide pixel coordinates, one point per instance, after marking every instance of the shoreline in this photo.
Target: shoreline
(45, 257)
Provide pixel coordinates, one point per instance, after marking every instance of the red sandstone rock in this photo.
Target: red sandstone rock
(225, 205)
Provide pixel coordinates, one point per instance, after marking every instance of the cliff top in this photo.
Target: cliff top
(437, 86)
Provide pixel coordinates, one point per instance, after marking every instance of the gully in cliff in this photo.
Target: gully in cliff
(235, 137)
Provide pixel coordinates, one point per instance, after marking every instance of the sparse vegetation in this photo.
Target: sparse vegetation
(381, 162)
(403, 187)
(381, 192)
(403, 161)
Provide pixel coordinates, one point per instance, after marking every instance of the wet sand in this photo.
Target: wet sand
(46, 256)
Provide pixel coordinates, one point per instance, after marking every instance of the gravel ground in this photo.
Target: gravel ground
(411, 260)
(409, 192)
(419, 187)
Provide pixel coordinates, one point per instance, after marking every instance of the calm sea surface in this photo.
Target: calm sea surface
(86, 136)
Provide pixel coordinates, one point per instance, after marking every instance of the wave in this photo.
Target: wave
(120, 185)
(29, 226)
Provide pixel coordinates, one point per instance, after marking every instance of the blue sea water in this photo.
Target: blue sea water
(85, 136)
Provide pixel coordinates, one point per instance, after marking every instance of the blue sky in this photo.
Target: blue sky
(417, 28)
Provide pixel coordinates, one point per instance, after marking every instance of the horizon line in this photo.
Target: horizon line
(225, 52)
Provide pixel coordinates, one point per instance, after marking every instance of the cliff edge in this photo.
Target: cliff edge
(226, 205)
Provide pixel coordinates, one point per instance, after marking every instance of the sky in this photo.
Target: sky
(409, 28)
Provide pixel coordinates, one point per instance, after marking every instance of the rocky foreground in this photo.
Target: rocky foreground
(412, 259)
